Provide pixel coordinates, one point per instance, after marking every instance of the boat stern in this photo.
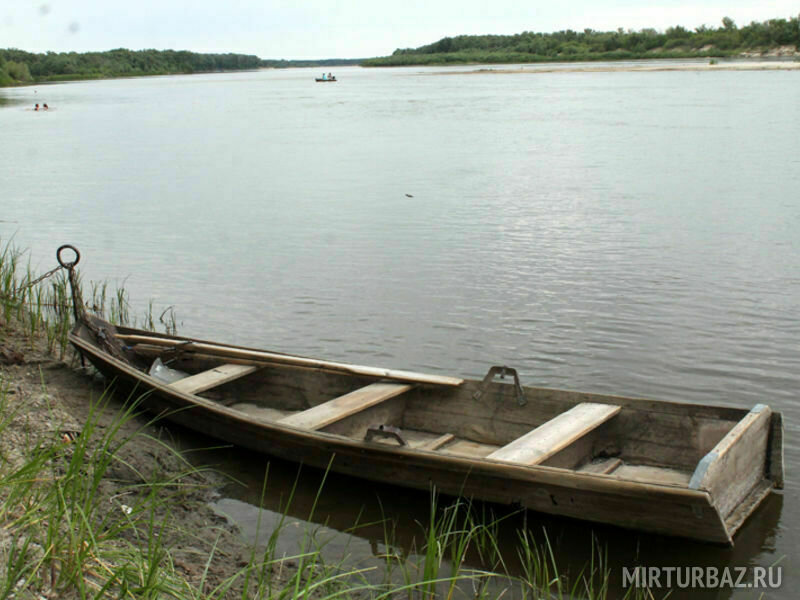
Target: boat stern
(741, 470)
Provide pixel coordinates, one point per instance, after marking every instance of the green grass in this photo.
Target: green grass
(64, 536)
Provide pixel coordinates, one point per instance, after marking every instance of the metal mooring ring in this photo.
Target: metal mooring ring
(68, 265)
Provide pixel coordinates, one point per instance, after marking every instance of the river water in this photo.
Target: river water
(632, 233)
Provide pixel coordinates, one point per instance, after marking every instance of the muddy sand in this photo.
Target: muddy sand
(538, 68)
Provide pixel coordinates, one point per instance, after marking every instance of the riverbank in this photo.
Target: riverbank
(129, 509)
(636, 68)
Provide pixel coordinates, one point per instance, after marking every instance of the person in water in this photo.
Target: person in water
(36, 107)
(44, 106)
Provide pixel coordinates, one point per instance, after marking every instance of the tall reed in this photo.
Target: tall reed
(46, 306)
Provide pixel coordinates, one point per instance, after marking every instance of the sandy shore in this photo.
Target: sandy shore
(632, 68)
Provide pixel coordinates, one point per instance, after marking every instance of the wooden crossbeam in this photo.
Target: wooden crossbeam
(556, 434)
(337, 409)
(194, 384)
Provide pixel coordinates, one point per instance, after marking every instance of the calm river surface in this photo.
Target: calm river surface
(633, 233)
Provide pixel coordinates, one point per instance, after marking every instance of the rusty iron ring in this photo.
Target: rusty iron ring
(68, 265)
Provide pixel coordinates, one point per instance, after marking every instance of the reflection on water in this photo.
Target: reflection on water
(622, 233)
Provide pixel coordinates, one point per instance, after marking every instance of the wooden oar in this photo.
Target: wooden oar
(232, 352)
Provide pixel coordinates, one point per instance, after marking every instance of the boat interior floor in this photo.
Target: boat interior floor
(452, 445)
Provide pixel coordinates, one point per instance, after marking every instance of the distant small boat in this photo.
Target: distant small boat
(320, 79)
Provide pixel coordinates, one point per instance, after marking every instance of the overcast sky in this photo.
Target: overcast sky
(337, 28)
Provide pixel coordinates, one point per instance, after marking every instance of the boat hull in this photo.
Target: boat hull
(659, 507)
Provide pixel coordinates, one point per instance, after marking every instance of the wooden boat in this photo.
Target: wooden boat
(320, 79)
(664, 467)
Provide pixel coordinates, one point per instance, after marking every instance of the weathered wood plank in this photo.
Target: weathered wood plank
(337, 409)
(206, 380)
(658, 475)
(737, 463)
(602, 466)
(745, 508)
(275, 357)
(438, 442)
(469, 449)
(776, 460)
(556, 434)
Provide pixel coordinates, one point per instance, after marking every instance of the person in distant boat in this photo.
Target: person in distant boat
(44, 106)
(323, 77)
(36, 107)
(330, 76)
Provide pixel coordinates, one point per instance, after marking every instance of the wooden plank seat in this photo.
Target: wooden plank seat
(556, 434)
(337, 409)
(194, 384)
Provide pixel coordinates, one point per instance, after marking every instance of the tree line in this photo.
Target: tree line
(675, 42)
(323, 62)
(18, 66)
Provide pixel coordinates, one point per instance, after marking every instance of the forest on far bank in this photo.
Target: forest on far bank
(728, 40)
(18, 66)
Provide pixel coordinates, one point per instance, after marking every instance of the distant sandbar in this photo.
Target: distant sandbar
(610, 68)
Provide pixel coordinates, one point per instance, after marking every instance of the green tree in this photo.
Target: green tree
(18, 71)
